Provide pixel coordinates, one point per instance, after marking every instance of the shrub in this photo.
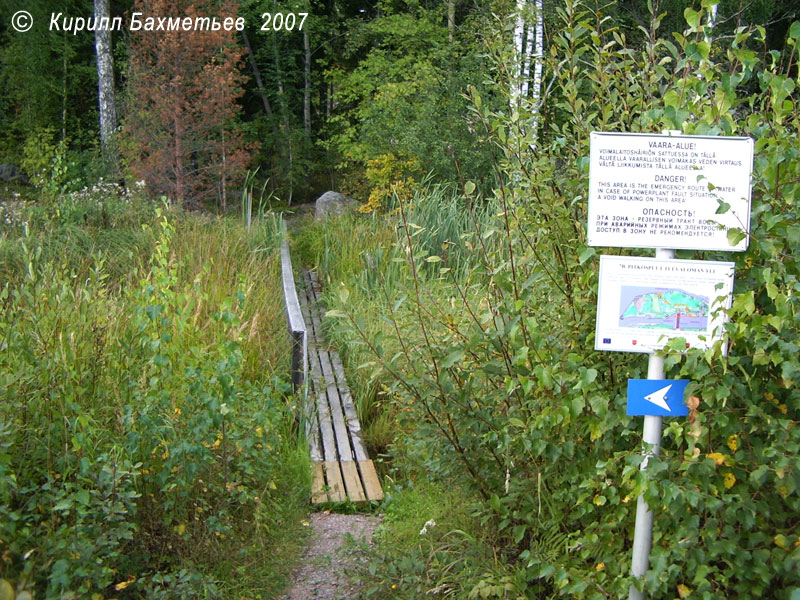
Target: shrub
(495, 378)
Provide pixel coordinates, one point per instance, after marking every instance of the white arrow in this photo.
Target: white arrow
(659, 398)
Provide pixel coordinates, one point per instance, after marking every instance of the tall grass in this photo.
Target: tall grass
(362, 261)
(146, 441)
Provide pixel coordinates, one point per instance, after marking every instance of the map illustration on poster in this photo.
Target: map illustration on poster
(645, 302)
(663, 308)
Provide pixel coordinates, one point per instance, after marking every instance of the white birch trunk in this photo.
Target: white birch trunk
(106, 98)
(519, 55)
(712, 21)
(538, 59)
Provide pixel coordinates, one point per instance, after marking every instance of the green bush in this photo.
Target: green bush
(495, 379)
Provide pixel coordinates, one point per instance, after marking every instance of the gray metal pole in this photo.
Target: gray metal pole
(643, 531)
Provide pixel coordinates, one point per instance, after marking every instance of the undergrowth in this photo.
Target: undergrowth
(479, 344)
(148, 439)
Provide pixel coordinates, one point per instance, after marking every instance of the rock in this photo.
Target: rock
(9, 172)
(332, 203)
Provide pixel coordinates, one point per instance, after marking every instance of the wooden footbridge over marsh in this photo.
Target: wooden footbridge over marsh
(342, 468)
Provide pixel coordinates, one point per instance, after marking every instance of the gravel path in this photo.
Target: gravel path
(321, 575)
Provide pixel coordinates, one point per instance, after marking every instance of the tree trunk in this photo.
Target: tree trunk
(224, 174)
(519, 56)
(64, 90)
(105, 76)
(251, 58)
(451, 19)
(538, 59)
(285, 118)
(307, 82)
(256, 74)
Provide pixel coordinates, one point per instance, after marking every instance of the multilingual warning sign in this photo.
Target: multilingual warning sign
(658, 191)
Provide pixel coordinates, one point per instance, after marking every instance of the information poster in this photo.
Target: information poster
(658, 191)
(643, 303)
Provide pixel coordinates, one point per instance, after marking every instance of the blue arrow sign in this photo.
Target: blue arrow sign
(659, 397)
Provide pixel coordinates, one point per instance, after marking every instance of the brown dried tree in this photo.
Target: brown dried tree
(182, 107)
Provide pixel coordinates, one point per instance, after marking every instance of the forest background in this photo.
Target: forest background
(147, 429)
(357, 97)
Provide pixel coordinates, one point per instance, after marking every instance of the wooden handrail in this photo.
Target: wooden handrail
(297, 326)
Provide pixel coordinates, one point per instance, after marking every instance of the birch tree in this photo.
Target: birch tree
(106, 98)
(528, 51)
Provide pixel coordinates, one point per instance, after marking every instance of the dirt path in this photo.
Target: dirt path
(322, 574)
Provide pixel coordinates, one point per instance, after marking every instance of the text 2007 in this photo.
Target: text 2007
(279, 21)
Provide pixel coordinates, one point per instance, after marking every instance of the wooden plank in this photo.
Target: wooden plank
(352, 482)
(339, 428)
(318, 492)
(336, 411)
(333, 478)
(326, 428)
(315, 410)
(372, 485)
(312, 433)
(337, 414)
(353, 424)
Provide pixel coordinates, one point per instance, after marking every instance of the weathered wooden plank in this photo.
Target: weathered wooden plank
(326, 428)
(316, 386)
(318, 492)
(353, 424)
(372, 485)
(339, 429)
(312, 432)
(337, 414)
(352, 482)
(333, 478)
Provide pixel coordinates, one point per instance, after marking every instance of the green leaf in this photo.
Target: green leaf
(671, 98)
(794, 33)
(744, 302)
(585, 254)
(735, 235)
(82, 496)
(64, 504)
(469, 188)
(452, 358)
(692, 18)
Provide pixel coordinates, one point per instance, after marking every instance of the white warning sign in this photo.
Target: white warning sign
(657, 191)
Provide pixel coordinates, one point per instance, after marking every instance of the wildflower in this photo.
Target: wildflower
(425, 527)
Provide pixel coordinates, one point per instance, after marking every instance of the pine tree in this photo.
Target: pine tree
(182, 110)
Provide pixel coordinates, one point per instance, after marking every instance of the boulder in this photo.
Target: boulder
(332, 204)
(9, 172)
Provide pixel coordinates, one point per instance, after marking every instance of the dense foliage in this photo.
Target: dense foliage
(147, 448)
(143, 434)
(490, 370)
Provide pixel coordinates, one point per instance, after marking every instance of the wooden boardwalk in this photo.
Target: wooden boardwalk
(342, 469)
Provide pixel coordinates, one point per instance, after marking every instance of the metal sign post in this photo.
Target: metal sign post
(643, 530)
